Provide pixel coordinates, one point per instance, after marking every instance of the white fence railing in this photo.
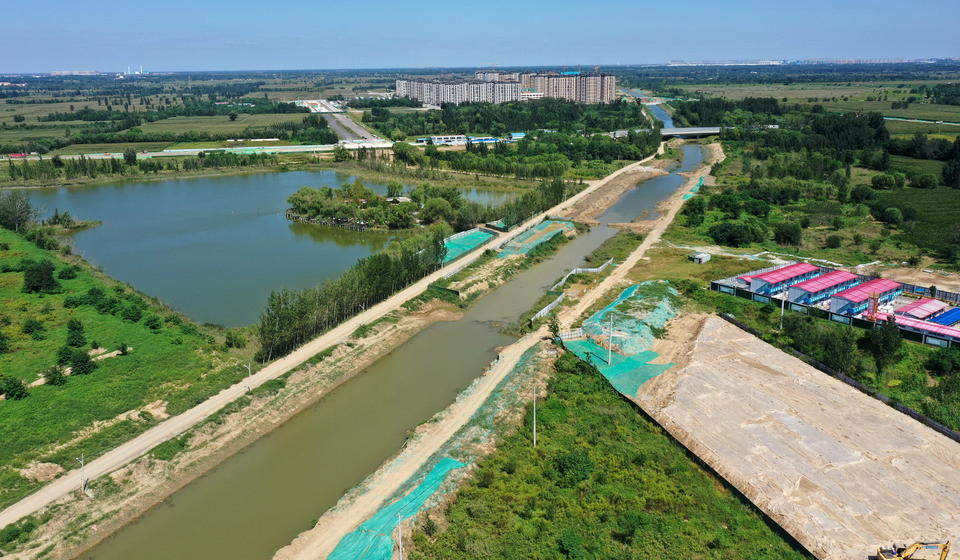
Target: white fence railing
(581, 270)
(572, 334)
(548, 308)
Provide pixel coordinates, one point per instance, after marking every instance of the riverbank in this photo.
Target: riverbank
(390, 477)
(67, 484)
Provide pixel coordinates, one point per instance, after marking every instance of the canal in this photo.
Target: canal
(215, 247)
(258, 500)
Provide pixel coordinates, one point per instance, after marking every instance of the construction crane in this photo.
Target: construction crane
(941, 549)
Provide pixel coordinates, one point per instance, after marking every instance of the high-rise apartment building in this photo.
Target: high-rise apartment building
(499, 87)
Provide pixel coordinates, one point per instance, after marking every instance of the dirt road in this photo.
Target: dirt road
(320, 541)
(176, 425)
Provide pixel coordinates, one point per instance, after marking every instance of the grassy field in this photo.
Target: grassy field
(907, 129)
(804, 91)
(604, 482)
(176, 363)
(13, 135)
(938, 210)
(910, 165)
(219, 124)
(929, 111)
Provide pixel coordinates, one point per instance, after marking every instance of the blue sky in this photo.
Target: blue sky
(293, 34)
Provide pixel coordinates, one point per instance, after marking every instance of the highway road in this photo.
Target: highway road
(176, 425)
(346, 128)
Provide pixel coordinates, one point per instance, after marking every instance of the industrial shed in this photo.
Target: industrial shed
(821, 287)
(855, 300)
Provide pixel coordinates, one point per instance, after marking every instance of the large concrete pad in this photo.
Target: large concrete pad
(839, 470)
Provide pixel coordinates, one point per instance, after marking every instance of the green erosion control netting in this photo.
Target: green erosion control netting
(544, 231)
(460, 244)
(632, 316)
(694, 190)
(373, 539)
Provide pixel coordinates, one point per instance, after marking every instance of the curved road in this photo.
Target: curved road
(176, 425)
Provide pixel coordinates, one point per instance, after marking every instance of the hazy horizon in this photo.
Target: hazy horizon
(239, 36)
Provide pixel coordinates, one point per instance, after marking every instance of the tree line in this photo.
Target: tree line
(71, 168)
(293, 317)
(500, 119)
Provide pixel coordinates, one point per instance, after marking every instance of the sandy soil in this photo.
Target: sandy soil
(837, 469)
(942, 280)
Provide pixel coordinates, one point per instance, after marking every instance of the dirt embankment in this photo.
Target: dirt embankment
(601, 199)
(131, 490)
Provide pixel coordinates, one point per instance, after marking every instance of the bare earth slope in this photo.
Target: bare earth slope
(837, 469)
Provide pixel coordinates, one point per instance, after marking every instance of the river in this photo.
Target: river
(215, 247)
(659, 112)
(258, 500)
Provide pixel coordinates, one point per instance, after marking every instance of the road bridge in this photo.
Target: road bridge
(686, 132)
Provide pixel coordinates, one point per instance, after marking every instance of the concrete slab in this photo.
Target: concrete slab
(840, 471)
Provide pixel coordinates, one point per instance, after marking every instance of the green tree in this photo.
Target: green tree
(435, 210)
(54, 376)
(788, 233)
(81, 364)
(153, 322)
(130, 156)
(132, 312)
(13, 388)
(394, 189)
(4, 343)
(834, 241)
(884, 343)
(16, 212)
(341, 154)
(75, 336)
(232, 116)
(38, 278)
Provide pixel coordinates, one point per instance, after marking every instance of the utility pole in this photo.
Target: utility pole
(83, 479)
(534, 411)
(400, 535)
(783, 303)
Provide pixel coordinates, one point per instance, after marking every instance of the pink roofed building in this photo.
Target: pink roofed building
(856, 300)
(823, 286)
(922, 308)
(775, 281)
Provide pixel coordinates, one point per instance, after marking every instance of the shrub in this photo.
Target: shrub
(67, 273)
(235, 339)
(786, 233)
(573, 467)
(124, 349)
(131, 313)
(38, 278)
(32, 326)
(64, 355)
(4, 343)
(75, 336)
(81, 364)
(153, 323)
(945, 361)
(834, 241)
(13, 388)
(54, 376)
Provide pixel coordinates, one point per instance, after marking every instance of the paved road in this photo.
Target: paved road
(176, 425)
(347, 129)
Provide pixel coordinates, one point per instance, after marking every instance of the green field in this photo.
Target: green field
(219, 124)
(73, 149)
(910, 165)
(604, 482)
(907, 128)
(176, 363)
(804, 91)
(928, 111)
(938, 211)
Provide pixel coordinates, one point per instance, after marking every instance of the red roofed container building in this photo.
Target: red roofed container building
(921, 309)
(821, 287)
(856, 300)
(777, 280)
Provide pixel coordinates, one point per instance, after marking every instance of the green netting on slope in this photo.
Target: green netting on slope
(464, 244)
(523, 243)
(694, 190)
(634, 314)
(625, 373)
(373, 539)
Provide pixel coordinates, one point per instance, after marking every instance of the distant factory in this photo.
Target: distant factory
(499, 87)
